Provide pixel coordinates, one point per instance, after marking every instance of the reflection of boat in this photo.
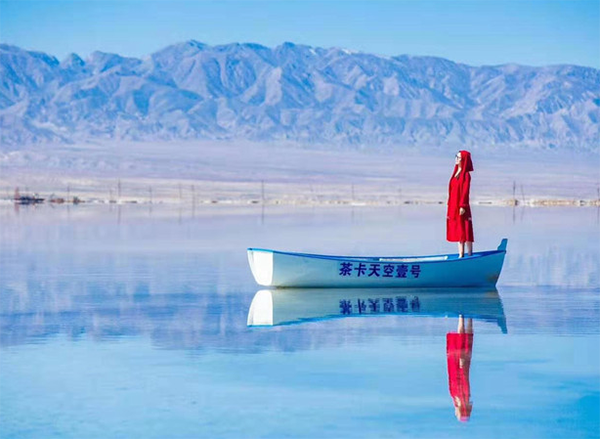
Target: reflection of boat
(281, 269)
(292, 305)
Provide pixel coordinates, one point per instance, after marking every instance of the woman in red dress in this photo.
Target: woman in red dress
(459, 348)
(459, 225)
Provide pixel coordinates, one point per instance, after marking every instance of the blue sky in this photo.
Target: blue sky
(533, 32)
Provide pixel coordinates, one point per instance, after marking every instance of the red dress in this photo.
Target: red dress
(459, 348)
(459, 228)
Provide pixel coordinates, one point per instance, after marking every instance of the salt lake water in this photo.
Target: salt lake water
(132, 321)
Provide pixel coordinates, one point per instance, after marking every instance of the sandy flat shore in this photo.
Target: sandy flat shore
(245, 173)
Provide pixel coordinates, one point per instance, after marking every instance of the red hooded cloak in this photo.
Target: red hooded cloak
(459, 228)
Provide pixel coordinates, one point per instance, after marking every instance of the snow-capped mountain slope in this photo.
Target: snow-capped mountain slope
(294, 92)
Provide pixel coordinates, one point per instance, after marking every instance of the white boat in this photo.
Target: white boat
(303, 270)
(299, 305)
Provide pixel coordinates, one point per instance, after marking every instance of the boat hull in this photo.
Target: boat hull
(300, 270)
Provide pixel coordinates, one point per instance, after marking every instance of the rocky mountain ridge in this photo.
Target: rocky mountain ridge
(294, 93)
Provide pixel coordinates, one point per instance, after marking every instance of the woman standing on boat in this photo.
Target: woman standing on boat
(459, 225)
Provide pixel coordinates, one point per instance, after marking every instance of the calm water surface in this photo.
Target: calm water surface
(126, 321)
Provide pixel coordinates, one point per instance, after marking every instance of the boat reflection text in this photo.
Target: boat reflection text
(296, 305)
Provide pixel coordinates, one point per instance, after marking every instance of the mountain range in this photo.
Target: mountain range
(294, 93)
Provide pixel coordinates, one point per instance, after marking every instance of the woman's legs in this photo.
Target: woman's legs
(469, 247)
(461, 249)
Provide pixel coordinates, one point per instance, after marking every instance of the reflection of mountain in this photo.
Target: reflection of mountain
(196, 319)
(557, 266)
(188, 285)
(294, 305)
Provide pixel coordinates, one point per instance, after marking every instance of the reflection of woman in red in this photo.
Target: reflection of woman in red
(459, 225)
(459, 347)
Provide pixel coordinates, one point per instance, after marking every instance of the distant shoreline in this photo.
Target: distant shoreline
(239, 174)
(297, 201)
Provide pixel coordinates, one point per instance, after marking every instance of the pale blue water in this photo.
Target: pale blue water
(130, 322)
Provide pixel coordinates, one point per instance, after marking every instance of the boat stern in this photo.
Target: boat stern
(493, 279)
(503, 244)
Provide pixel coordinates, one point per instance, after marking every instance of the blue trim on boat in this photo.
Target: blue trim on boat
(453, 257)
